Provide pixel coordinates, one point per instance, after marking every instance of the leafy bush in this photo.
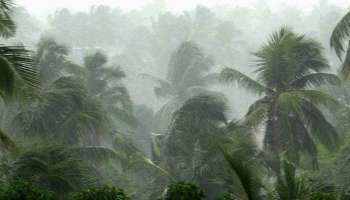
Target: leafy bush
(226, 196)
(102, 193)
(20, 190)
(183, 191)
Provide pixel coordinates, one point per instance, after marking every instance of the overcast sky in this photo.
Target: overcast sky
(43, 7)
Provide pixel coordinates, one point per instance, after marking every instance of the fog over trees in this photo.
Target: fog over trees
(219, 101)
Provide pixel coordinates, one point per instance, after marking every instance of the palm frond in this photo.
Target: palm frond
(164, 88)
(201, 108)
(314, 96)
(256, 114)
(229, 75)
(345, 68)
(248, 177)
(97, 154)
(286, 56)
(141, 160)
(316, 80)
(54, 168)
(340, 33)
(7, 143)
(7, 25)
(17, 64)
(320, 128)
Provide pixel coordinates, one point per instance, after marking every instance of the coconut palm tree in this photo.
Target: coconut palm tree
(52, 61)
(105, 84)
(248, 182)
(16, 65)
(187, 74)
(190, 151)
(64, 111)
(288, 69)
(54, 168)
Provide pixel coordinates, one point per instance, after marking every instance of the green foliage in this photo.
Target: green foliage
(54, 168)
(7, 25)
(288, 67)
(102, 193)
(19, 190)
(183, 191)
(338, 42)
(226, 196)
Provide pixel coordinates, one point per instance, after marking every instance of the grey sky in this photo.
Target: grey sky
(42, 7)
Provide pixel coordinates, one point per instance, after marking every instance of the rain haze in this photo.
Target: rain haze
(175, 99)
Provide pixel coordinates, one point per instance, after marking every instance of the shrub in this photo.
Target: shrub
(183, 191)
(19, 190)
(102, 193)
(226, 196)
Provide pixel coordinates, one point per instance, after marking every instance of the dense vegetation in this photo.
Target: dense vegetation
(70, 128)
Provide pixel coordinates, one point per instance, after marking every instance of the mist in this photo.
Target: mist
(175, 100)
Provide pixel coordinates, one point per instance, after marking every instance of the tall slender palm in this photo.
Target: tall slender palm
(190, 149)
(104, 83)
(187, 73)
(288, 70)
(340, 39)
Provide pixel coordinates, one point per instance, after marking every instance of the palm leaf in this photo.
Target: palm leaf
(229, 75)
(320, 128)
(315, 80)
(164, 88)
(7, 25)
(97, 154)
(7, 142)
(257, 113)
(22, 61)
(248, 178)
(345, 69)
(340, 33)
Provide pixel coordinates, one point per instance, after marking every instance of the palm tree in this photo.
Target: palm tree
(64, 111)
(52, 61)
(105, 84)
(288, 69)
(190, 151)
(339, 41)
(16, 65)
(54, 168)
(187, 74)
(248, 183)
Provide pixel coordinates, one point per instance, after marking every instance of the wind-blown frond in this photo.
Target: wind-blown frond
(257, 113)
(54, 168)
(340, 33)
(316, 80)
(201, 108)
(16, 64)
(7, 143)
(320, 128)
(97, 154)
(247, 175)
(7, 25)
(229, 75)
(287, 56)
(345, 68)
(164, 88)
(314, 96)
